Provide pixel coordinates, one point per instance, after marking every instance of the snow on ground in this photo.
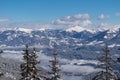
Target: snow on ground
(10, 75)
(113, 45)
(94, 42)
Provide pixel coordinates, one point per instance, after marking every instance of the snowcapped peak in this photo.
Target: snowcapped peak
(76, 28)
(116, 28)
(42, 29)
(110, 28)
(24, 30)
(79, 29)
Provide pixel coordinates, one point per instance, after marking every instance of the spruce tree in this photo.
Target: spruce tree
(1, 74)
(34, 62)
(106, 62)
(25, 67)
(55, 67)
(28, 68)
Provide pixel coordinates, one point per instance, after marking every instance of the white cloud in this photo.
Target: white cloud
(3, 19)
(79, 69)
(82, 16)
(102, 16)
(87, 23)
(65, 22)
(118, 14)
(72, 20)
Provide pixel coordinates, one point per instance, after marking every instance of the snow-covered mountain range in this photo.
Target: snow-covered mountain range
(72, 40)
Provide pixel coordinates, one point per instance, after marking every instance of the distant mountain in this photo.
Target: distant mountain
(74, 43)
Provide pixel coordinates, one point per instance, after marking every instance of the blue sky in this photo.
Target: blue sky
(48, 11)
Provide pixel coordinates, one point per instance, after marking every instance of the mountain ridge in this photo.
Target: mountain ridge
(66, 42)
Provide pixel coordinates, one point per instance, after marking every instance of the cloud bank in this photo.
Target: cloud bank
(72, 20)
(102, 17)
(3, 19)
(118, 14)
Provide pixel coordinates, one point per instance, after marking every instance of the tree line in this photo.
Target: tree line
(29, 70)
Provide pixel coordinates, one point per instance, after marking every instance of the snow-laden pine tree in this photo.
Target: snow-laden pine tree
(28, 68)
(34, 62)
(1, 74)
(106, 62)
(25, 67)
(55, 68)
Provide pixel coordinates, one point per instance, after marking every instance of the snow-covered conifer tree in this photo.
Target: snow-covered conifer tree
(55, 68)
(106, 62)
